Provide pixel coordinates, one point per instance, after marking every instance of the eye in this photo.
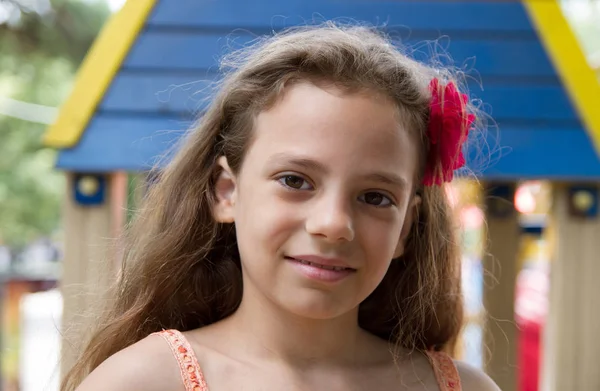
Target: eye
(376, 199)
(295, 182)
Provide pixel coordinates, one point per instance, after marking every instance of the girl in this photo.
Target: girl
(301, 238)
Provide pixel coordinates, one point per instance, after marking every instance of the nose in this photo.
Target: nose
(331, 219)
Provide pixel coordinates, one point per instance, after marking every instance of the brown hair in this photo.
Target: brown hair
(181, 269)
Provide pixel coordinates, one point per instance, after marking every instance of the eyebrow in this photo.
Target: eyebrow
(299, 161)
(387, 178)
(313, 165)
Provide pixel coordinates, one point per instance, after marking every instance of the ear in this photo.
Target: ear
(225, 191)
(409, 220)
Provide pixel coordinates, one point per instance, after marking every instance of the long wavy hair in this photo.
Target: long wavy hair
(181, 269)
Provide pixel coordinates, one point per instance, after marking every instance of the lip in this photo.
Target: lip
(320, 268)
(323, 261)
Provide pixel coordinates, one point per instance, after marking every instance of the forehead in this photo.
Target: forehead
(350, 130)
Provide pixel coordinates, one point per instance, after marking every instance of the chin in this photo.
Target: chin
(315, 304)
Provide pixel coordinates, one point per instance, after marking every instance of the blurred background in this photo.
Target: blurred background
(510, 224)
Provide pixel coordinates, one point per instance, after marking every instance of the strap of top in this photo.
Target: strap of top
(191, 375)
(445, 371)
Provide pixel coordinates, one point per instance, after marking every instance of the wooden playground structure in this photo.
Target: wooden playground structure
(124, 112)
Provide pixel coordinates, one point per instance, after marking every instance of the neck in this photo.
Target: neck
(272, 333)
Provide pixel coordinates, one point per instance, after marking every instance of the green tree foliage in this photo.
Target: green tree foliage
(41, 46)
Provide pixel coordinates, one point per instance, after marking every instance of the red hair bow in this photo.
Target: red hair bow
(448, 128)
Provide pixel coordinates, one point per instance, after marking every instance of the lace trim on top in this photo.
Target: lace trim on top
(192, 376)
(445, 371)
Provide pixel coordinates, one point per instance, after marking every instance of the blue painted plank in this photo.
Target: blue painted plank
(276, 14)
(198, 51)
(173, 92)
(158, 92)
(113, 143)
(135, 143)
(530, 153)
(527, 102)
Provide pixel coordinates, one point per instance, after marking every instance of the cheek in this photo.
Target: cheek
(380, 241)
(263, 221)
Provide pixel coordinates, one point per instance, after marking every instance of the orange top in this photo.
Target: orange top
(193, 379)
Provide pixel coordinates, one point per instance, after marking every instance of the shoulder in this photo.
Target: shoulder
(146, 365)
(473, 379)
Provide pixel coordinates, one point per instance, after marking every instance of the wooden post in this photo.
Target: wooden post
(500, 272)
(93, 216)
(571, 347)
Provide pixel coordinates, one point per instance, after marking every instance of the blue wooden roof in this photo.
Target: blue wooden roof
(161, 78)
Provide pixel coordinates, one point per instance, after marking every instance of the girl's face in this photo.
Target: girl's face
(323, 201)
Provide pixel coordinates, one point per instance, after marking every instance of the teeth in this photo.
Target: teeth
(335, 268)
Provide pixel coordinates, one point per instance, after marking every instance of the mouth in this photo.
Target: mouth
(324, 265)
(323, 270)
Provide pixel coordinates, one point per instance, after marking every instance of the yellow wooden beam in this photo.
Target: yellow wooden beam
(570, 62)
(96, 73)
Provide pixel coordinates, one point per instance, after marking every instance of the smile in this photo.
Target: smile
(326, 267)
(321, 269)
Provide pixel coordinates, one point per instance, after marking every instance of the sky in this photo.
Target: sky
(115, 5)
